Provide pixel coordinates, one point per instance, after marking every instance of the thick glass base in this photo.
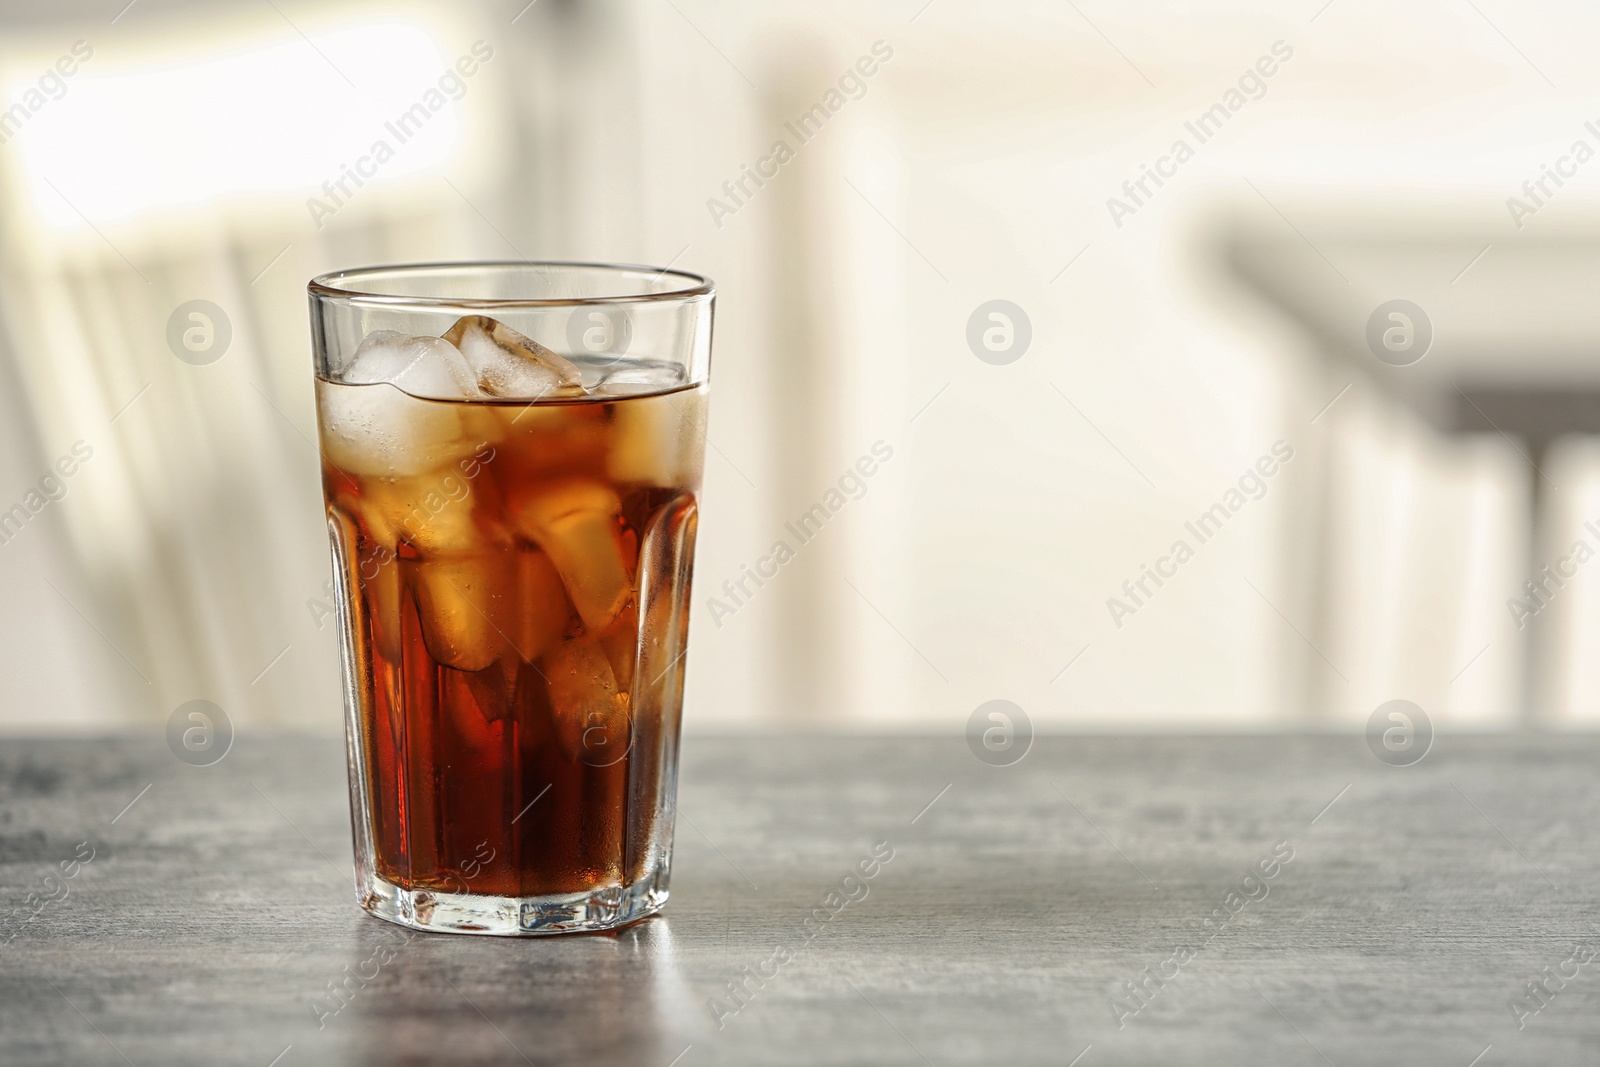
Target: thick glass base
(478, 913)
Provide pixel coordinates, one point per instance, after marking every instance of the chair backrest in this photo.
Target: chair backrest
(152, 270)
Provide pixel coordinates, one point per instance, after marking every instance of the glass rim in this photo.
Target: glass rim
(336, 285)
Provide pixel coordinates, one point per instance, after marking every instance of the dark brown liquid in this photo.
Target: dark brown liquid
(517, 599)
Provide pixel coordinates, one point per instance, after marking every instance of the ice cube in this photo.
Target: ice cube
(370, 577)
(590, 711)
(576, 522)
(657, 440)
(635, 377)
(379, 583)
(433, 512)
(620, 642)
(542, 608)
(462, 606)
(507, 364)
(380, 430)
(549, 440)
(429, 367)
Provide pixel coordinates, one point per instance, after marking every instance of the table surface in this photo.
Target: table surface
(1406, 912)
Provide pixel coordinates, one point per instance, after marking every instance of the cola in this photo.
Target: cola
(513, 578)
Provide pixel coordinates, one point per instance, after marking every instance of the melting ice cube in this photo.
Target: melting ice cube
(378, 418)
(590, 712)
(655, 440)
(507, 364)
(633, 377)
(575, 521)
(433, 513)
(377, 429)
(461, 604)
(542, 606)
(422, 366)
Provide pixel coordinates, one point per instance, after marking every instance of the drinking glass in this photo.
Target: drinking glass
(511, 458)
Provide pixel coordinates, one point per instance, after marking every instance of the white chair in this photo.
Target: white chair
(194, 530)
(1444, 485)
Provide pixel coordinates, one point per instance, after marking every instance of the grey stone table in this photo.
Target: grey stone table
(1107, 900)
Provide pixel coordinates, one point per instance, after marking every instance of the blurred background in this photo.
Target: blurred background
(1103, 278)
